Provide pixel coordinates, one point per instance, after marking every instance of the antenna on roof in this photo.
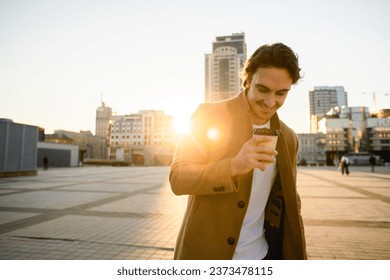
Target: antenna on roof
(101, 99)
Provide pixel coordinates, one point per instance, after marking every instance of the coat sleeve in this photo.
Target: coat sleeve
(192, 170)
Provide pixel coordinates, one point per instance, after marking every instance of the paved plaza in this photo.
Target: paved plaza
(113, 213)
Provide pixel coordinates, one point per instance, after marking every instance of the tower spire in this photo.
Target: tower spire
(101, 99)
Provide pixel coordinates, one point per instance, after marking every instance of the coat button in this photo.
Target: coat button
(231, 241)
(241, 204)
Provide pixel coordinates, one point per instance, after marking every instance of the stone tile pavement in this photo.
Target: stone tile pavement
(116, 213)
(346, 217)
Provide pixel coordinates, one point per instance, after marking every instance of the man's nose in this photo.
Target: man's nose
(270, 100)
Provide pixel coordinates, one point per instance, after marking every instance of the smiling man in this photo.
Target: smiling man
(243, 202)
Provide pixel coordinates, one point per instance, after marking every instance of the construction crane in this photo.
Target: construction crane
(374, 93)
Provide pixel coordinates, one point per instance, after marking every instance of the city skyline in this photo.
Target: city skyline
(58, 58)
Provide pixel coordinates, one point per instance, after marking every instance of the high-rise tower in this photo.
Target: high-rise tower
(103, 117)
(222, 67)
(322, 100)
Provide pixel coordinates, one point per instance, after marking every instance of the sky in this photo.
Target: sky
(60, 59)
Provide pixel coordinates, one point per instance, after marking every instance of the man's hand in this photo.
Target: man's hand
(253, 154)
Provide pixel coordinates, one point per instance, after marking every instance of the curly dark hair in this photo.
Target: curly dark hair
(276, 55)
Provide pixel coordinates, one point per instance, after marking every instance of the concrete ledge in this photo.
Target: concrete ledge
(107, 163)
(4, 174)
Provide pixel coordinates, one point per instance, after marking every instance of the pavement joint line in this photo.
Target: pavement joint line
(373, 175)
(346, 223)
(80, 212)
(354, 189)
(93, 242)
(114, 198)
(54, 188)
(359, 171)
(334, 197)
(75, 210)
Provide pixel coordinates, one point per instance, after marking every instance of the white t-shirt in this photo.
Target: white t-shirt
(252, 244)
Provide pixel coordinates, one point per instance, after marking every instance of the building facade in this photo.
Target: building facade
(384, 113)
(145, 138)
(354, 131)
(311, 149)
(91, 146)
(378, 137)
(58, 154)
(18, 148)
(103, 118)
(322, 100)
(338, 137)
(223, 66)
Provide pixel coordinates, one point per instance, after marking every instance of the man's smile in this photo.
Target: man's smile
(264, 106)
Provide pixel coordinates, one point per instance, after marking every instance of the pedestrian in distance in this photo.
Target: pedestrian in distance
(336, 162)
(243, 202)
(344, 162)
(372, 163)
(45, 163)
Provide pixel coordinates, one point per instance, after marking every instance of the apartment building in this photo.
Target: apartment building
(322, 100)
(223, 66)
(144, 138)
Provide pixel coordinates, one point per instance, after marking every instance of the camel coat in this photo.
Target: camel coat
(217, 203)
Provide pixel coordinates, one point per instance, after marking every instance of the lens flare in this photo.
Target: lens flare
(213, 133)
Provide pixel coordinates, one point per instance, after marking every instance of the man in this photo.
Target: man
(372, 162)
(243, 202)
(344, 165)
(45, 163)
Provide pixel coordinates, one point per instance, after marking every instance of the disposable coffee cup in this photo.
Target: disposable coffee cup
(268, 132)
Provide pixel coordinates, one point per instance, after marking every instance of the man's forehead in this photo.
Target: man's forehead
(279, 75)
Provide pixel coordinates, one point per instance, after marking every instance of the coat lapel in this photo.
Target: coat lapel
(285, 173)
(293, 244)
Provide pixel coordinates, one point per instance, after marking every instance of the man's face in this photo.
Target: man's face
(267, 91)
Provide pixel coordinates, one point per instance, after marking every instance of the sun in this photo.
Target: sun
(181, 125)
(181, 111)
(180, 107)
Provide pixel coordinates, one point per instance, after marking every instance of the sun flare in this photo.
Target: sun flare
(181, 125)
(213, 133)
(180, 107)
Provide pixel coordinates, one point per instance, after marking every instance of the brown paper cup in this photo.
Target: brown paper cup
(271, 144)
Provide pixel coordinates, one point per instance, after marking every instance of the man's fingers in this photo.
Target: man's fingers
(263, 149)
(256, 139)
(261, 138)
(260, 165)
(263, 158)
